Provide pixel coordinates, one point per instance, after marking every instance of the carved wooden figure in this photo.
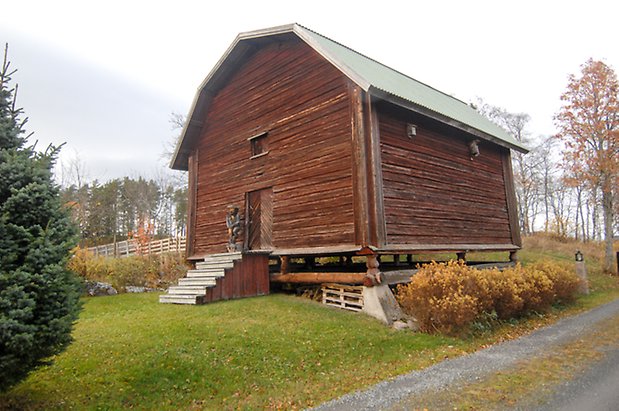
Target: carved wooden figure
(233, 223)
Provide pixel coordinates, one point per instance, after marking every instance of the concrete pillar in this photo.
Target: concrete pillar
(379, 302)
(581, 272)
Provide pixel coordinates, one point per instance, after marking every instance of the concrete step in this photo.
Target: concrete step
(188, 289)
(233, 256)
(179, 299)
(198, 281)
(192, 288)
(206, 272)
(217, 259)
(217, 264)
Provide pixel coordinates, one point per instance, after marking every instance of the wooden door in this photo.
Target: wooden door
(260, 219)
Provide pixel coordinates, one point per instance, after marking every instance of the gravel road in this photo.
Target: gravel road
(595, 390)
(388, 394)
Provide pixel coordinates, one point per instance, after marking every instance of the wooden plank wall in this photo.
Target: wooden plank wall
(434, 193)
(248, 278)
(289, 91)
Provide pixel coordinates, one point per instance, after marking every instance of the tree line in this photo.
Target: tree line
(568, 184)
(120, 209)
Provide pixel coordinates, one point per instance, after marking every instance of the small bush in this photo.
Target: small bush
(88, 266)
(564, 282)
(156, 271)
(450, 297)
(134, 270)
(441, 298)
(537, 293)
(507, 288)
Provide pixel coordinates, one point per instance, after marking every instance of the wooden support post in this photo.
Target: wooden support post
(396, 259)
(342, 260)
(310, 262)
(348, 261)
(373, 276)
(284, 263)
(461, 256)
(409, 259)
(513, 256)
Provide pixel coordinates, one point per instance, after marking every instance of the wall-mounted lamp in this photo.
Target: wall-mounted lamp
(474, 148)
(411, 130)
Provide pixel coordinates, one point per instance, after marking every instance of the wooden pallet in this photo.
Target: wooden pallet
(347, 297)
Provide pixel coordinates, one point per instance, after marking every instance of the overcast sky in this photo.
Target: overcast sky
(104, 77)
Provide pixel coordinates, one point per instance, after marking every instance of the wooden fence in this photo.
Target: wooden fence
(132, 247)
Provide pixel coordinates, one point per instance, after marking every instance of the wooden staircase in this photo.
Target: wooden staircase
(221, 277)
(194, 286)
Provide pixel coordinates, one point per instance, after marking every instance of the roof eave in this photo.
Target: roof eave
(383, 95)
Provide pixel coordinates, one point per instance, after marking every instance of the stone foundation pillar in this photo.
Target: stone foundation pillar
(379, 302)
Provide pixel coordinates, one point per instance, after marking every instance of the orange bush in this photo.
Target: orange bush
(538, 294)
(508, 287)
(441, 297)
(449, 297)
(153, 271)
(564, 281)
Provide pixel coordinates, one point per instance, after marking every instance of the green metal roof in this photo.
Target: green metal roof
(372, 75)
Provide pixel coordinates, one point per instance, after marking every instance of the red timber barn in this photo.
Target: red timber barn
(328, 153)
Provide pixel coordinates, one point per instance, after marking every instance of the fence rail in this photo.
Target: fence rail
(133, 247)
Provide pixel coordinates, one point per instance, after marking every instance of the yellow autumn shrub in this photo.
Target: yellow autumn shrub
(482, 286)
(449, 297)
(441, 297)
(565, 282)
(154, 271)
(538, 295)
(508, 288)
(89, 266)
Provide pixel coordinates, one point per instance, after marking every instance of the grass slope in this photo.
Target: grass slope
(267, 352)
(276, 352)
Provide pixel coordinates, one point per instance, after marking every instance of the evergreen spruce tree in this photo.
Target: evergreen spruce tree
(39, 297)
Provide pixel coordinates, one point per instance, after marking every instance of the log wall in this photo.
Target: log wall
(287, 90)
(433, 192)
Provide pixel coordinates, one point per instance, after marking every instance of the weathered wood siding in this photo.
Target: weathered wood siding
(289, 91)
(433, 192)
(248, 278)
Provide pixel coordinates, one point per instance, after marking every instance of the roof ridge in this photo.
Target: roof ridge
(382, 64)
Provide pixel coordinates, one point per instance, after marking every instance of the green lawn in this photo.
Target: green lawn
(266, 352)
(275, 351)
